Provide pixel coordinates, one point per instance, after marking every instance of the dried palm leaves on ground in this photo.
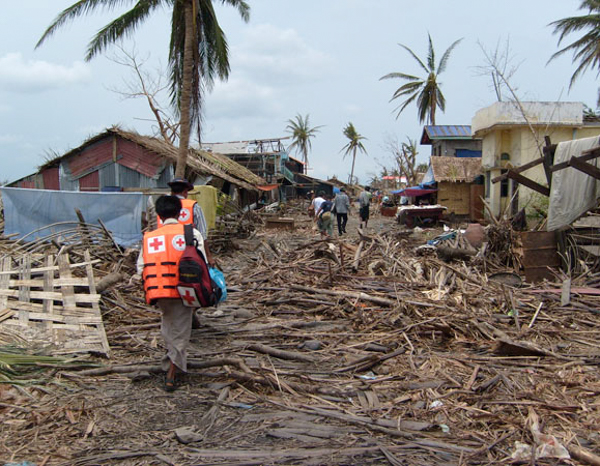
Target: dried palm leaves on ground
(334, 352)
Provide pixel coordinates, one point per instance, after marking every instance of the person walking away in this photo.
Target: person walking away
(364, 201)
(158, 267)
(316, 205)
(341, 204)
(325, 217)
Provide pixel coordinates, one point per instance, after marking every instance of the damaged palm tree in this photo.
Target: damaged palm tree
(198, 51)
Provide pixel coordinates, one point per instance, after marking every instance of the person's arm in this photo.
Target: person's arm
(202, 246)
(137, 277)
(200, 221)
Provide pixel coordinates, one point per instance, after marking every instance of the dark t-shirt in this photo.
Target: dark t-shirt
(326, 207)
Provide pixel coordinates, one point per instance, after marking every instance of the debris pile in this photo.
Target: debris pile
(335, 352)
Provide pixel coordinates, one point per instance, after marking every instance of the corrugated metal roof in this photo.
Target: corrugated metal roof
(433, 132)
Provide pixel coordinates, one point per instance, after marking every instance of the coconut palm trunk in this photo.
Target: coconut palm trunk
(186, 91)
(353, 162)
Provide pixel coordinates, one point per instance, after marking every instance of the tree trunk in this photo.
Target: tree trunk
(186, 91)
(352, 171)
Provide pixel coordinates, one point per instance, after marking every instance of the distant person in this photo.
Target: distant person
(341, 205)
(316, 205)
(364, 202)
(157, 265)
(325, 217)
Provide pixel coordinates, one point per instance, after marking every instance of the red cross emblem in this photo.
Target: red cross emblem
(188, 295)
(184, 215)
(178, 242)
(156, 244)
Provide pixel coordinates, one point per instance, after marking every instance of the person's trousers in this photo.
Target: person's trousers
(176, 330)
(342, 220)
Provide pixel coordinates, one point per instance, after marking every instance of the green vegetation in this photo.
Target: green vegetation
(426, 91)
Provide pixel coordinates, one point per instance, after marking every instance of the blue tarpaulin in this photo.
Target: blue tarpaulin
(28, 210)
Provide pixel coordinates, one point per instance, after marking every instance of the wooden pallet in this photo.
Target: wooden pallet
(49, 306)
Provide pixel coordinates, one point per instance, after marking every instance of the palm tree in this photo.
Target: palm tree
(426, 91)
(354, 144)
(301, 134)
(586, 49)
(198, 50)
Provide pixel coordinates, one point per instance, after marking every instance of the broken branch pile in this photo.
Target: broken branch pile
(340, 352)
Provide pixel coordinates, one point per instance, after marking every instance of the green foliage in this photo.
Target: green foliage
(585, 49)
(20, 366)
(354, 144)
(302, 133)
(425, 90)
(537, 206)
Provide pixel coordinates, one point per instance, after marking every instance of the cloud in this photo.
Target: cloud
(267, 71)
(9, 139)
(20, 75)
(278, 56)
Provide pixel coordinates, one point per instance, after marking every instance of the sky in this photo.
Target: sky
(321, 58)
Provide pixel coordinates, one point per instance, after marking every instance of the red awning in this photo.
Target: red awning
(268, 187)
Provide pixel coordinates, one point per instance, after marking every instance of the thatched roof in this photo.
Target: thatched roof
(455, 169)
(201, 162)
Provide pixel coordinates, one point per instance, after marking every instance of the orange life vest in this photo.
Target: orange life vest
(186, 215)
(162, 249)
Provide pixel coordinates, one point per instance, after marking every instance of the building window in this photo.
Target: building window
(505, 157)
(488, 183)
(504, 184)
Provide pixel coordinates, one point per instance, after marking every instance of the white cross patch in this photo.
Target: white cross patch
(178, 242)
(184, 215)
(156, 244)
(188, 296)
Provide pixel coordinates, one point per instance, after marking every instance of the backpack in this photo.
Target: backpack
(196, 287)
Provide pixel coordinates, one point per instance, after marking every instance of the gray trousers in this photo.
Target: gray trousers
(176, 330)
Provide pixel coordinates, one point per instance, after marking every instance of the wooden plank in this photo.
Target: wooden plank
(101, 332)
(520, 169)
(38, 270)
(57, 282)
(529, 183)
(24, 291)
(58, 296)
(585, 167)
(565, 296)
(4, 280)
(67, 292)
(584, 157)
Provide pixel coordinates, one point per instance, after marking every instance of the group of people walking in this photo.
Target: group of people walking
(325, 206)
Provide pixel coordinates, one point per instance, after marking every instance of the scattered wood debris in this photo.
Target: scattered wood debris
(321, 355)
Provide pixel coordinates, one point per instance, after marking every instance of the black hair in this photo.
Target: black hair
(321, 193)
(367, 188)
(178, 188)
(168, 207)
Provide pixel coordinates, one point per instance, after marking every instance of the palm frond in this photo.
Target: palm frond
(124, 26)
(418, 60)
(446, 56)
(80, 8)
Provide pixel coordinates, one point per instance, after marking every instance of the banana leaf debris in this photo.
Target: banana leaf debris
(362, 349)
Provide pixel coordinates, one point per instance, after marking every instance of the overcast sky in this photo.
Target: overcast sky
(323, 58)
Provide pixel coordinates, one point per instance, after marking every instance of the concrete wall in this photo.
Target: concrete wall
(538, 113)
(522, 146)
